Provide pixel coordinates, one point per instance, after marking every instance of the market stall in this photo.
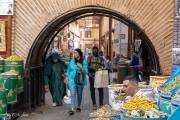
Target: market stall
(11, 83)
(165, 91)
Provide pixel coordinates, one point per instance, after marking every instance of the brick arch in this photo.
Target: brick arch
(154, 17)
(36, 22)
(34, 79)
(45, 37)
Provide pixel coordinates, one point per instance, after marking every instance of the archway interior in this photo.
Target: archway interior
(34, 64)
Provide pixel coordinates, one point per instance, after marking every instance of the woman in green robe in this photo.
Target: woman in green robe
(54, 71)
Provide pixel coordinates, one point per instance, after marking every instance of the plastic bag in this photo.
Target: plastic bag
(67, 99)
(113, 76)
(101, 79)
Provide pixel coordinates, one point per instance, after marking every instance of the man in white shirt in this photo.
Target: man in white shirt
(131, 89)
(130, 86)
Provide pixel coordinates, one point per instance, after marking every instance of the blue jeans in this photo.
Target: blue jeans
(78, 89)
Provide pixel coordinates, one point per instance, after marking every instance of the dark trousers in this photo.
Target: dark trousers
(92, 90)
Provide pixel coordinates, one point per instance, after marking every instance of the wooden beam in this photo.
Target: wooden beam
(129, 41)
(100, 32)
(110, 36)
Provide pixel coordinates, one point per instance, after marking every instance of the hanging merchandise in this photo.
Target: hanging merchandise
(70, 44)
(176, 56)
(137, 45)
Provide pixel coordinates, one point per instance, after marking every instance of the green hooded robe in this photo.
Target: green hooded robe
(54, 77)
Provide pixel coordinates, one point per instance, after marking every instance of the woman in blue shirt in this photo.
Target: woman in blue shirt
(76, 73)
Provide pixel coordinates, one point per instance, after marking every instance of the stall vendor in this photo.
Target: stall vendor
(131, 88)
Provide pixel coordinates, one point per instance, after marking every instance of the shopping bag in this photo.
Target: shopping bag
(66, 98)
(101, 79)
(113, 76)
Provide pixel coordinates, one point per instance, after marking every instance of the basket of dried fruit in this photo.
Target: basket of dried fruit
(141, 108)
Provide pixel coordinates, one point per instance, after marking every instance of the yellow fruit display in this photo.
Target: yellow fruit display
(13, 58)
(139, 103)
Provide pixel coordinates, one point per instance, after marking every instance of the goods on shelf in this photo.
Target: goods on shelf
(158, 81)
(13, 58)
(139, 108)
(139, 103)
(120, 97)
(104, 111)
(118, 94)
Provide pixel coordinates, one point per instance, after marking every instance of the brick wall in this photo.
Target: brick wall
(155, 17)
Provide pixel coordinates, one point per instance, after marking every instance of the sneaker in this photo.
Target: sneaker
(78, 109)
(54, 105)
(94, 107)
(71, 112)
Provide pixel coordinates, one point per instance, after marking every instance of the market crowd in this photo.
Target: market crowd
(74, 75)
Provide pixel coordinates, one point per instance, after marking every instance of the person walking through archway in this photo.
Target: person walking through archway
(76, 75)
(54, 71)
(95, 62)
